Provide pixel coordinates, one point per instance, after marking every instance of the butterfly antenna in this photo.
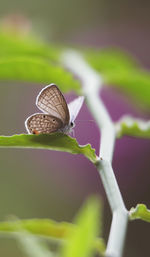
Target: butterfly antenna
(85, 121)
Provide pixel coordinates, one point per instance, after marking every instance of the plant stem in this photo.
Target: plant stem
(92, 83)
(120, 215)
(33, 246)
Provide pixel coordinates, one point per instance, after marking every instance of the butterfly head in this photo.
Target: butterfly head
(67, 129)
(72, 124)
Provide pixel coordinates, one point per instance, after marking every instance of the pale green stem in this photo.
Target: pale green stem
(92, 83)
(33, 246)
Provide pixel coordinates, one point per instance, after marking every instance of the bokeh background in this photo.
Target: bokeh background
(46, 184)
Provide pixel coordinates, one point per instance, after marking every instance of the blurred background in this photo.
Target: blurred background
(33, 183)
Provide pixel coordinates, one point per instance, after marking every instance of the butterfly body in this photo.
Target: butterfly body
(67, 129)
(56, 114)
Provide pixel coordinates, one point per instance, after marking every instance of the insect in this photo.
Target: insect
(56, 116)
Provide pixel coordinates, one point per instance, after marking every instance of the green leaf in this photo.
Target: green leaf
(121, 70)
(140, 212)
(46, 228)
(81, 242)
(54, 141)
(15, 45)
(83, 233)
(135, 83)
(133, 127)
(37, 70)
(108, 60)
(40, 227)
(28, 59)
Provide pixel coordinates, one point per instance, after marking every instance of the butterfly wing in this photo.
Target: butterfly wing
(74, 107)
(40, 123)
(51, 101)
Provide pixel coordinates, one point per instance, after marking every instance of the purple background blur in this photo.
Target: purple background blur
(46, 184)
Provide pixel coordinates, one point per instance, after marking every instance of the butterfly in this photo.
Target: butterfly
(57, 116)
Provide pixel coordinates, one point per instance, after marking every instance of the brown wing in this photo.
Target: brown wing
(40, 123)
(51, 101)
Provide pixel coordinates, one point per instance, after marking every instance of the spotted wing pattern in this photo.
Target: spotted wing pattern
(50, 100)
(40, 123)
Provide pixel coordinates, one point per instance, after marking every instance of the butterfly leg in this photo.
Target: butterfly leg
(73, 132)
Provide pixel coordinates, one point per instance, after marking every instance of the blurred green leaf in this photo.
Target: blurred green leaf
(80, 242)
(108, 60)
(37, 70)
(41, 227)
(28, 59)
(119, 69)
(15, 45)
(135, 84)
(61, 231)
(54, 141)
(140, 212)
(133, 127)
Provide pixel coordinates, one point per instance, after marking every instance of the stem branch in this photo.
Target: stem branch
(92, 83)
